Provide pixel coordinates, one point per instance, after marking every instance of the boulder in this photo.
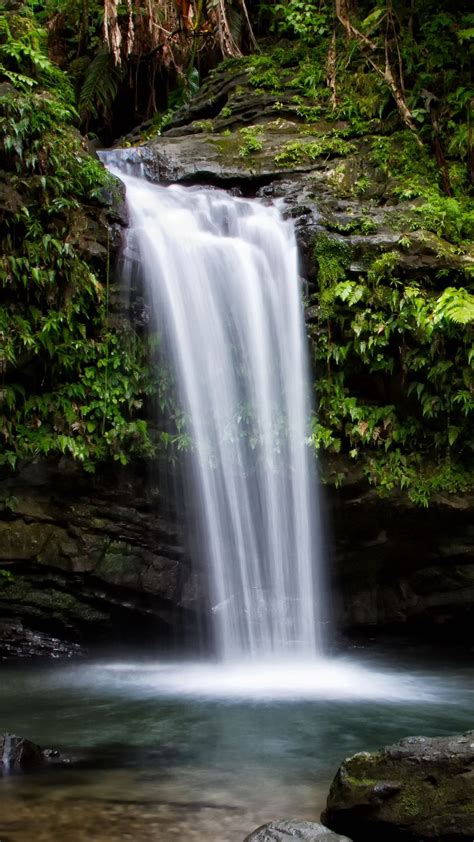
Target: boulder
(418, 789)
(303, 831)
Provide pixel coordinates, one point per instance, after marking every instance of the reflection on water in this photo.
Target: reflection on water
(174, 752)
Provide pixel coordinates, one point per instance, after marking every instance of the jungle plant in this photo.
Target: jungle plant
(395, 379)
(252, 140)
(70, 382)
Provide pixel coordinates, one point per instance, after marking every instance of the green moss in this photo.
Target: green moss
(116, 564)
(411, 802)
(413, 175)
(361, 782)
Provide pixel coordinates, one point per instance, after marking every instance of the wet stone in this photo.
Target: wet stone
(291, 830)
(17, 753)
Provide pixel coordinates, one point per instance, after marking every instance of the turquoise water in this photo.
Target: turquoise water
(174, 751)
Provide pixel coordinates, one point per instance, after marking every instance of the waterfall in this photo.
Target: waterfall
(221, 275)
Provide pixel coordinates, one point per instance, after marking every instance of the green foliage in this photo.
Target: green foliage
(302, 18)
(358, 225)
(395, 379)
(252, 140)
(71, 382)
(412, 174)
(23, 58)
(428, 46)
(100, 86)
(327, 146)
(203, 125)
(456, 305)
(332, 258)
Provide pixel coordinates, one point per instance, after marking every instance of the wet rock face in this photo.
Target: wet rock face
(299, 831)
(419, 788)
(89, 562)
(18, 642)
(398, 567)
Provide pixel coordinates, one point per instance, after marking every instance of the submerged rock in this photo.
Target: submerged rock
(419, 788)
(303, 831)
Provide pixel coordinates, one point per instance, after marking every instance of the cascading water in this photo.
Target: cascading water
(222, 279)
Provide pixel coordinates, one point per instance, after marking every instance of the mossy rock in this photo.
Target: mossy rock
(419, 788)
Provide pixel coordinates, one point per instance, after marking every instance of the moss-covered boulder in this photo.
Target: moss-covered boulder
(419, 788)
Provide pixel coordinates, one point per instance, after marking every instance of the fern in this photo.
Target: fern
(100, 86)
(457, 305)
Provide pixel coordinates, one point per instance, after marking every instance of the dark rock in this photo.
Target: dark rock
(90, 562)
(18, 642)
(303, 831)
(396, 566)
(17, 753)
(419, 788)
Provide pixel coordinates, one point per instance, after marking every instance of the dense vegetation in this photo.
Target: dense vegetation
(393, 346)
(71, 383)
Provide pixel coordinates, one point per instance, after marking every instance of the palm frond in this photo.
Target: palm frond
(100, 85)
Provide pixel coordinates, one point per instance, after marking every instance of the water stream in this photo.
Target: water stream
(221, 274)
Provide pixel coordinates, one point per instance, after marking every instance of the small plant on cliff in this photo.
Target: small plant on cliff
(252, 141)
(327, 146)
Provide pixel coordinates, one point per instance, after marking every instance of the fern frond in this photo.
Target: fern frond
(457, 305)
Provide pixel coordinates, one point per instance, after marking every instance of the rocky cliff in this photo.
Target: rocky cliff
(95, 561)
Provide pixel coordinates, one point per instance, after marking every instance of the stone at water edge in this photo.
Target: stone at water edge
(285, 831)
(419, 788)
(18, 753)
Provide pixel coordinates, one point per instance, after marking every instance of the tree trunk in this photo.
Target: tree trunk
(369, 48)
(331, 77)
